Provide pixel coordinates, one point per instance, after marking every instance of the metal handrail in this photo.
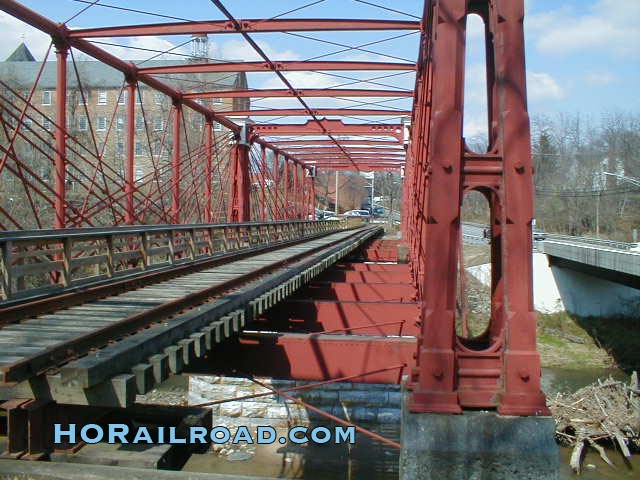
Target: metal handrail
(46, 260)
(590, 241)
(569, 238)
(13, 235)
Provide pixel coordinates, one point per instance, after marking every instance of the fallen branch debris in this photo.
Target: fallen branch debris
(605, 413)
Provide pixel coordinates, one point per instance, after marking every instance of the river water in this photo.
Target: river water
(369, 459)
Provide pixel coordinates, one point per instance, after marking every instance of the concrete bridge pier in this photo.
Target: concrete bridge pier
(477, 445)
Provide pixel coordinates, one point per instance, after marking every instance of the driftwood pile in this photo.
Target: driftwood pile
(605, 413)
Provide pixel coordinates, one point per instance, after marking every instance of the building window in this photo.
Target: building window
(119, 123)
(217, 127)
(139, 96)
(158, 98)
(139, 174)
(83, 97)
(46, 97)
(217, 101)
(122, 99)
(45, 173)
(157, 148)
(83, 124)
(120, 149)
(102, 124)
(158, 124)
(27, 122)
(46, 123)
(139, 149)
(139, 123)
(102, 97)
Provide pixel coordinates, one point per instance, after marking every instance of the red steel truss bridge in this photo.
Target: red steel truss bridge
(143, 226)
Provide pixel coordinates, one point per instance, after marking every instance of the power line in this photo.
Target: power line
(584, 193)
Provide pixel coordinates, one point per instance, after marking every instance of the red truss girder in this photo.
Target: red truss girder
(320, 112)
(500, 368)
(329, 150)
(352, 154)
(331, 127)
(358, 164)
(369, 161)
(299, 144)
(363, 167)
(300, 92)
(247, 26)
(281, 66)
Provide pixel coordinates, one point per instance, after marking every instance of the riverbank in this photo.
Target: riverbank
(563, 341)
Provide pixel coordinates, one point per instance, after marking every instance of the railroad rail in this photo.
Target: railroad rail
(104, 344)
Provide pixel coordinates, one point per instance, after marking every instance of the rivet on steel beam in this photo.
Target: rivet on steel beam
(524, 375)
(519, 167)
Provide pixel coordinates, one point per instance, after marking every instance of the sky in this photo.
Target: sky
(583, 56)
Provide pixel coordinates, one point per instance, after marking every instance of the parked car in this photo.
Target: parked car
(357, 213)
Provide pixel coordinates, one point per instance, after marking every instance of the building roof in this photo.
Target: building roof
(21, 69)
(21, 54)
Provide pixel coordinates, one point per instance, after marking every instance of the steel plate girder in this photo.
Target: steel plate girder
(306, 143)
(321, 357)
(315, 316)
(248, 26)
(350, 150)
(282, 66)
(318, 112)
(332, 127)
(301, 92)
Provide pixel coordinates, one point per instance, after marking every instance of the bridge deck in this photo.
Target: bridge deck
(139, 334)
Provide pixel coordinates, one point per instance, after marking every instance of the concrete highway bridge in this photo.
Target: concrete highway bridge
(595, 277)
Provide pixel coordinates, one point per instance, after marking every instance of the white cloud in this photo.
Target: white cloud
(600, 79)
(475, 127)
(542, 86)
(14, 32)
(610, 25)
(242, 51)
(143, 48)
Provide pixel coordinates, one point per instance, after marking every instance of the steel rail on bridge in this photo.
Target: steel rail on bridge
(198, 284)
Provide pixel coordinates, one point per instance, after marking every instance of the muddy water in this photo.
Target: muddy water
(370, 460)
(366, 459)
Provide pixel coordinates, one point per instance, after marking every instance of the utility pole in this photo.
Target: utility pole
(337, 192)
(598, 215)
(373, 182)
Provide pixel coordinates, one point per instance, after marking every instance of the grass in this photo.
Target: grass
(563, 342)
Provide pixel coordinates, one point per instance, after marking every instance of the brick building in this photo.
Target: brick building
(96, 106)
